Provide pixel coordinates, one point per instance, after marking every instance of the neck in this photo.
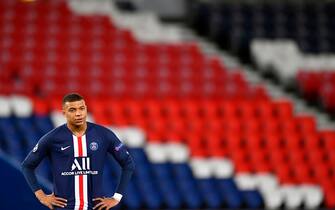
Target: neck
(77, 130)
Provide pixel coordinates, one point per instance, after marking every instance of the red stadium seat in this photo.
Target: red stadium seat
(330, 198)
(292, 141)
(284, 173)
(276, 156)
(254, 141)
(309, 84)
(246, 109)
(306, 124)
(215, 145)
(272, 140)
(314, 156)
(302, 174)
(283, 109)
(41, 107)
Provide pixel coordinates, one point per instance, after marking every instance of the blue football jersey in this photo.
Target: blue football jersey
(77, 163)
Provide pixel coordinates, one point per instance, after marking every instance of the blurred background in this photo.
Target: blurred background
(224, 104)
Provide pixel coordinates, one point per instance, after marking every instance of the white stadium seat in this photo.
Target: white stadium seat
(222, 167)
(177, 153)
(272, 199)
(266, 182)
(292, 196)
(5, 108)
(134, 137)
(22, 106)
(57, 118)
(285, 58)
(157, 153)
(201, 169)
(312, 196)
(246, 181)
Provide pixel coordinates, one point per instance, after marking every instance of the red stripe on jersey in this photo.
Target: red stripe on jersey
(81, 181)
(81, 192)
(80, 147)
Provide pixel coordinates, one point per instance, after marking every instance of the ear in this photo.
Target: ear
(63, 109)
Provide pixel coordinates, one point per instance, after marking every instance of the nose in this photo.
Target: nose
(78, 113)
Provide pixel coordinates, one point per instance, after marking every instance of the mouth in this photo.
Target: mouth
(79, 120)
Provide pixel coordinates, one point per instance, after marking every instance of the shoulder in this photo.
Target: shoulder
(55, 133)
(107, 132)
(99, 128)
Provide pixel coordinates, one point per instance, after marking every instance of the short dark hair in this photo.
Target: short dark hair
(71, 97)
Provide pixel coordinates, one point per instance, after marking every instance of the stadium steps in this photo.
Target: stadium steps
(145, 25)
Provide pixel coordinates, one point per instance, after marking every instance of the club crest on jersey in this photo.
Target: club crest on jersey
(94, 146)
(35, 148)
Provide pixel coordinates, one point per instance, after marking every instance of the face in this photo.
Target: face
(75, 112)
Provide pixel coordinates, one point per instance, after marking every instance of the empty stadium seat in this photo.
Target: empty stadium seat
(200, 134)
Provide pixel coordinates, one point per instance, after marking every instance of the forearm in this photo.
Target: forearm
(29, 174)
(124, 180)
(128, 168)
(126, 162)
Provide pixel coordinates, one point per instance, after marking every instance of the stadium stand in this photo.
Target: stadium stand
(201, 135)
(283, 38)
(234, 24)
(312, 75)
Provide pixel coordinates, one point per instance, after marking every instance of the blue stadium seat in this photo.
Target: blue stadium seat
(139, 155)
(182, 171)
(172, 197)
(43, 124)
(209, 193)
(165, 181)
(12, 139)
(252, 199)
(187, 185)
(190, 193)
(132, 198)
(151, 196)
(142, 172)
(29, 134)
(143, 180)
(230, 193)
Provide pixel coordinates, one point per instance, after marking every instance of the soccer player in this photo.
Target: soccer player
(77, 152)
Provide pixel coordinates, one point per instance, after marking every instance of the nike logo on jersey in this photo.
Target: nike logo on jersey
(64, 148)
